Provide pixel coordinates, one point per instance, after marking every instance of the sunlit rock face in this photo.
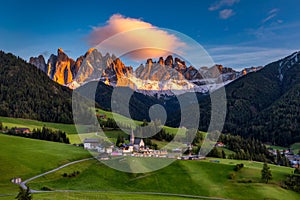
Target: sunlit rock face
(158, 76)
(59, 67)
(63, 68)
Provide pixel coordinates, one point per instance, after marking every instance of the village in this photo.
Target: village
(136, 148)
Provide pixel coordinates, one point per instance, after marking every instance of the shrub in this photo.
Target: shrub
(245, 181)
(232, 175)
(46, 188)
(238, 167)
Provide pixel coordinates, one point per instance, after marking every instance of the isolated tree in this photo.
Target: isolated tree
(266, 173)
(279, 158)
(223, 154)
(24, 194)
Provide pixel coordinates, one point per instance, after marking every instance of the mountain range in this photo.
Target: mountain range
(162, 76)
(263, 104)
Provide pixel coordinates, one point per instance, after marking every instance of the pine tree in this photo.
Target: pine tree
(223, 154)
(266, 173)
(24, 194)
(279, 158)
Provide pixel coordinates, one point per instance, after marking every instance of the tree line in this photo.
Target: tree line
(42, 134)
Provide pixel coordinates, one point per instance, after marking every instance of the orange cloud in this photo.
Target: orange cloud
(122, 35)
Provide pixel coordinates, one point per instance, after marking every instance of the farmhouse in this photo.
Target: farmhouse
(101, 116)
(91, 143)
(16, 180)
(23, 130)
(219, 144)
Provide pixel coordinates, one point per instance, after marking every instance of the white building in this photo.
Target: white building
(91, 143)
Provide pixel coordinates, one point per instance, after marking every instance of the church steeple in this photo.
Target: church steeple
(132, 137)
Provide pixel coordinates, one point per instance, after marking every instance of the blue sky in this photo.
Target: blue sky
(236, 33)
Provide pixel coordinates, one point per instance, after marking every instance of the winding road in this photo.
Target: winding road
(23, 184)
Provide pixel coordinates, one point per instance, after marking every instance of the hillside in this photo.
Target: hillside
(265, 104)
(201, 178)
(262, 104)
(27, 92)
(36, 157)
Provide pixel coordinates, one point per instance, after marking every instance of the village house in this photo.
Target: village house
(219, 144)
(91, 143)
(294, 160)
(16, 180)
(22, 130)
(101, 116)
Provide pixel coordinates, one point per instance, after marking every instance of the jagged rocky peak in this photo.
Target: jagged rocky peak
(51, 65)
(149, 61)
(178, 61)
(90, 51)
(39, 62)
(60, 67)
(61, 56)
(169, 61)
(161, 61)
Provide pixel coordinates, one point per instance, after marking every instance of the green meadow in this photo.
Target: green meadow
(24, 158)
(99, 195)
(70, 129)
(201, 178)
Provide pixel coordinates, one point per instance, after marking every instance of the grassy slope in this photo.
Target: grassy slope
(70, 129)
(22, 157)
(185, 177)
(96, 195)
(18, 122)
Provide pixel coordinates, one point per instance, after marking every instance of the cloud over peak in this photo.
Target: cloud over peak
(122, 34)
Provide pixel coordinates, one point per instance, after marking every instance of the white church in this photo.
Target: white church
(136, 144)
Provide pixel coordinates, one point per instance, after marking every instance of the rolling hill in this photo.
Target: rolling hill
(200, 178)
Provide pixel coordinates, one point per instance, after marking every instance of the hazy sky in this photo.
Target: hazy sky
(236, 33)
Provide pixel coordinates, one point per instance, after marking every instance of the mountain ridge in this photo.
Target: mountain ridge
(161, 76)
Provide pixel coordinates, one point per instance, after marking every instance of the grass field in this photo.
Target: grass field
(70, 129)
(25, 158)
(202, 178)
(18, 122)
(227, 151)
(98, 196)
(22, 157)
